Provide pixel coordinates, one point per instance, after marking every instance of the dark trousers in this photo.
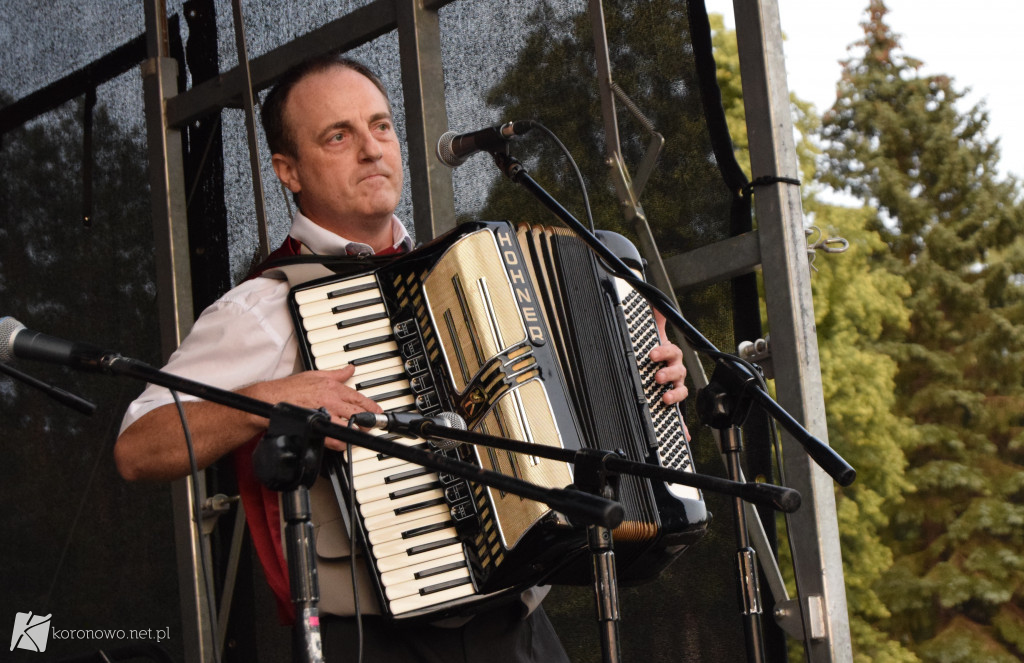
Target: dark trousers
(496, 636)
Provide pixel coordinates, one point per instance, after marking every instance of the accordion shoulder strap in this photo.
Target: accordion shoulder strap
(299, 273)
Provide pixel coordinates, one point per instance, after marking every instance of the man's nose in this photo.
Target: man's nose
(371, 147)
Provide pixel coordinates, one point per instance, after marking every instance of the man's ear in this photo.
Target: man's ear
(284, 166)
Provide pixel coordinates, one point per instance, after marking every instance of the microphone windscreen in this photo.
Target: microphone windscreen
(452, 420)
(444, 150)
(8, 328)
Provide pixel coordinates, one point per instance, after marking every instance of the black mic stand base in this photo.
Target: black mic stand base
(606, 591)
(305, 588)
(722, 410)
(592, 476)
(287, 460)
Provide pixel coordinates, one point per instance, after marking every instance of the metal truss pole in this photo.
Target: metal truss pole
(819, 615)
(426, 117)
(174, 300)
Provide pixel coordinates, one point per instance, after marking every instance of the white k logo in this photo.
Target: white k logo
(30, 631)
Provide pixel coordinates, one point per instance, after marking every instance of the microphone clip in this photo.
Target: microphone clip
(288, 455)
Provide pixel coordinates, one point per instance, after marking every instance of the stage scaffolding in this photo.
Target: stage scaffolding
(777, 248)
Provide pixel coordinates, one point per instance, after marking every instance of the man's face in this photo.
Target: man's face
(347, 167)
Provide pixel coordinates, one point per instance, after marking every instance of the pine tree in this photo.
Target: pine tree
(857, 305)
(898, 140)
(857, 302)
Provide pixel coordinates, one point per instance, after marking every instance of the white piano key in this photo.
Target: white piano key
(330, 330)
(399, 403)
(365, 371)
(374, 464)
(346, 357)
(385, 506)
(338, 344)
(320, 293)
(381, 474)
(360, 454)
(395, 531)
(402, 559)
(372, 493)
(404, 546)
(385, 388)
(386, 518)
(408, 573)
(418, 602)
(386, 368)
(351, 300)
(413, 588)
(331, 320)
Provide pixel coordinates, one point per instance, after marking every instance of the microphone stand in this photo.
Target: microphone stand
(596, 473)
(780, 498)
(826, 457)
(733, 377)
(725, 410)
(289, 460)
(56, 393)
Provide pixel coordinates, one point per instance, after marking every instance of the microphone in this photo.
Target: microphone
(411, 423)
(17, 341)
(453, 149)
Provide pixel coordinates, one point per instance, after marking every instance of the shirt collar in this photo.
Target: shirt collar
(321, 241)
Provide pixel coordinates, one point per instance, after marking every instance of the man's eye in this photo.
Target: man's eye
(338, 137)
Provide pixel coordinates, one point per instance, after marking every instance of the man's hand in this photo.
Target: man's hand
(673, 371)
(672, 356)
(318, 389)
(154, 447)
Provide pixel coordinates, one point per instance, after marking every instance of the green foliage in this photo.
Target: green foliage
(953, 232)
(858, 308)
(554, 81)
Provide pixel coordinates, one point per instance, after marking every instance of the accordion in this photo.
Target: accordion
(523, 334)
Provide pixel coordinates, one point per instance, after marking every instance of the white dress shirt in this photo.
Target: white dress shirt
(247, 335)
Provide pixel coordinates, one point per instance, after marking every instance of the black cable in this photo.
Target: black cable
(197, 518)
(649, 292)
(572, 162)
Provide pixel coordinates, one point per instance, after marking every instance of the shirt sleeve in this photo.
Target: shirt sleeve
(245, 337)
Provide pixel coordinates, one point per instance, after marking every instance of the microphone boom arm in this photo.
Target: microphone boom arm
(580, 507)
(825, 456)
(778, 497)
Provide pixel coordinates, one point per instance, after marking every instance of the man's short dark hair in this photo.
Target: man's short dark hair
(279, 136)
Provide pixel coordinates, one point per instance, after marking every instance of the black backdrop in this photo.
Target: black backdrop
(76, 260)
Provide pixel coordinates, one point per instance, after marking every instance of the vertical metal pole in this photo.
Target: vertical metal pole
(426, 117)
(166, 179)
(248, 105)
(174, 301)
(814, 527)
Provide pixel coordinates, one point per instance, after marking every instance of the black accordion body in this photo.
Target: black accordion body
(525, 336)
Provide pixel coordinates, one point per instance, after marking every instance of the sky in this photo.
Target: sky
(978, 44)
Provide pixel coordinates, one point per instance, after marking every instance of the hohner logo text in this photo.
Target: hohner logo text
(525, 297)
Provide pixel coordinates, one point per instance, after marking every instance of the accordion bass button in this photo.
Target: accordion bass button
(405, 329)
(463, 512)
(427, 402)
(415, 365)
(421, 383)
